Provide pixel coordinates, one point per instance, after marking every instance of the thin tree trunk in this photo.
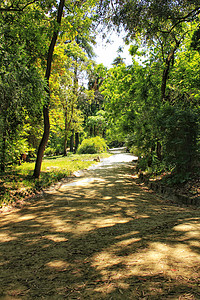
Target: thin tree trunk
(43, 142)
(76, 141)
(72, 141)
(164, 80)
(66, 133)
(91, 131)
(4, 134)
(159, 150)
(104, 134)
(95, 130)
(45, 136)
(3, 152)
(165, 75)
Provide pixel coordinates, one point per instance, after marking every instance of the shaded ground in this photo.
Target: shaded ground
(100, 237)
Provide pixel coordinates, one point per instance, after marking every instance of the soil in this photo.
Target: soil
(100, 236)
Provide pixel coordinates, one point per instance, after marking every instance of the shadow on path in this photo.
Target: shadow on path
(100, 237)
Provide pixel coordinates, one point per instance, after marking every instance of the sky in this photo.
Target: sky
(107, 52)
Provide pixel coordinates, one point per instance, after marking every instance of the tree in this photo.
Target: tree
(33, 26)
(79, 51)
(158, 23)
(20, 83)
(115, 89)
(96, 77)
(77, 15)
(21, 92)
(16, 6)
(46, 106)
(96, 125)
(135, 106)
(196, 40)
(149, 16)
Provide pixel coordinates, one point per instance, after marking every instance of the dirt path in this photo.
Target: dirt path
(100, 237)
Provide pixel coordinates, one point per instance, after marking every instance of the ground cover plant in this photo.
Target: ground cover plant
(18, 182)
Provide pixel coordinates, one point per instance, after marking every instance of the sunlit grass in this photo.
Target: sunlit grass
(18, 183)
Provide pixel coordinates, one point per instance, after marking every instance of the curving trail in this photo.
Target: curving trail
(100, 236)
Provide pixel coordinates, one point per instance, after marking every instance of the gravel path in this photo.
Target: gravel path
(100, 236)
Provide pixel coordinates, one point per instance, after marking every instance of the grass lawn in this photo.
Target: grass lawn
(17, 182)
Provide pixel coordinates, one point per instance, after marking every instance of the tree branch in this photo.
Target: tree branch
(11, 8)
(193, 13)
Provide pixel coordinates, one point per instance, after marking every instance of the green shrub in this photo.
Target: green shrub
(49, 151)
(92, 145)
(180, 139)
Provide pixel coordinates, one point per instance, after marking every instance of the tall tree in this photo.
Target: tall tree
(149, 16)
(78, 14)
(45, 137)
(20, 81)
(156, 22)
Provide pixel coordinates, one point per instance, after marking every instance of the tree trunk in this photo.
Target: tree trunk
(104, 134)
(3, 152)
(91, 131)
(68, 118)
(43, 142)
(159, 151)
(45, 136)
(66, 133)
(76, 141)
(170, 58)
(164, 80)
(65, 145)
(72, 141)
(95, 130)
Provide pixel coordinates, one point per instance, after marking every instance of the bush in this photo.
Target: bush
(92, 146)
(49, 151)
(180, 143)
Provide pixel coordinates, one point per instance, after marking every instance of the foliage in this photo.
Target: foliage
(117, 103)
(195, 43)
(71, 63)
(149, 17)
(152, 104)
(21, 94)
(163, 132)
(92, 145)
(96, 125)
(180, 138)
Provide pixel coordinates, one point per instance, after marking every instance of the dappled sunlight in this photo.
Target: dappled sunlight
(82, 182)
(191, 228)
(55, 238)
(157, 258)
(10, 217)
(190, 232)
(59, 265)
(127, 242)
(101, 238)
(107, 198)
(6, 237)
(26, 218)
(99, 222)
(121, 197)
(170, 259)
(58, 224)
